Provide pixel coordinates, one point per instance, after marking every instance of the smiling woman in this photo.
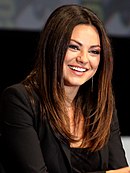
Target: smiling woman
(62, 116)
(82, 57)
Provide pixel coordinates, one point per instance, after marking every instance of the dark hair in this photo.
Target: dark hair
(47, 77)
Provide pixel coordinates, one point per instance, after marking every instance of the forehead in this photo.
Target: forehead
(85, 32)
(84, 28)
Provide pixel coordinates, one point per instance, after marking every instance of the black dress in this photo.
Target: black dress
(84, 161)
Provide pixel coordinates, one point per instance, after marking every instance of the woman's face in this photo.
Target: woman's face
(83, 55)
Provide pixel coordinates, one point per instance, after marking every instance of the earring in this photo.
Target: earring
(92, 85)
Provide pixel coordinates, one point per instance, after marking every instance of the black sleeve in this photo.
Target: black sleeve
(117, 158)
(20, 146)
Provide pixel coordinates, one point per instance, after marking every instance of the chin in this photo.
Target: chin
(75, 84)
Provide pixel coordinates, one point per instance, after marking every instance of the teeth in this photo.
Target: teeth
(77, 69)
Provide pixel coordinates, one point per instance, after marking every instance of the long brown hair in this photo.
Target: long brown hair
(47, 77)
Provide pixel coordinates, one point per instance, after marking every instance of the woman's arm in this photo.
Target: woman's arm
(117, 162)
(21, 151)
(117, 157)
(121, 170)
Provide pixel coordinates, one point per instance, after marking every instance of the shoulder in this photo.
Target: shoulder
(114, 127)
(14, 95)
(16, 92)
(16, 89)
(15, 106)
(115, 121)
(15, 98)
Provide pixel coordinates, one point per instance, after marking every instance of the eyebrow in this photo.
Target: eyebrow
(93, 46)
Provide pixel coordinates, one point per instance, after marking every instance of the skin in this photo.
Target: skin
(121, 170)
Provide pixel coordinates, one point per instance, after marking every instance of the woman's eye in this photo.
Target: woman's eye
(96, 52)
(73, 47)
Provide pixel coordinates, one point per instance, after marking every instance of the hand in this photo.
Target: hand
(121, 170)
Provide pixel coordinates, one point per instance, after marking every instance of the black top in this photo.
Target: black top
(28, 144)
(84, 161)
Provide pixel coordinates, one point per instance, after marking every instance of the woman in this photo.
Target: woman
(62, 117)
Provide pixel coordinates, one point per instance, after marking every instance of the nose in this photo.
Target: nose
(83, 57)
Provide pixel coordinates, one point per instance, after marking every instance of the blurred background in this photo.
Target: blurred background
(20, 25)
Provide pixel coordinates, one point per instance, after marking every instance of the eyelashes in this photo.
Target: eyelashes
(75, 48)
(96, 52)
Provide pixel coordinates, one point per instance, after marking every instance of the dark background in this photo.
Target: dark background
(17, 55)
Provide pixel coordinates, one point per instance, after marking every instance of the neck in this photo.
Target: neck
(70, 93)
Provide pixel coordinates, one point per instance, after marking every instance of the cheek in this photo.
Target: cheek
(66, 58)
(67, 55)
(95, 63)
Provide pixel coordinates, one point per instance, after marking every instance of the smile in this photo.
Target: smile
(79, 69)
